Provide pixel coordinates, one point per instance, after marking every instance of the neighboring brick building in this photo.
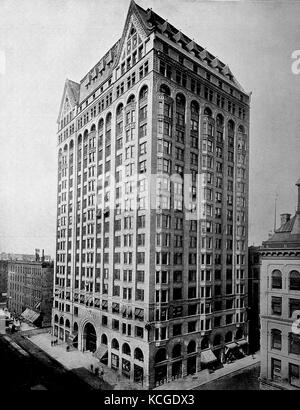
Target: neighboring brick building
(3, 280)
(254, 298)
(280, 305)
(30, 291)
(158, 291)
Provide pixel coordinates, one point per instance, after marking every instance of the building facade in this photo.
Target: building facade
(152, 216)
(30, 291)
(3, 282)
(254, 298)
(280, 305)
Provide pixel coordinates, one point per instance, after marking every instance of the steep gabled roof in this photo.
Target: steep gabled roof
(72, 92)
(143, 22)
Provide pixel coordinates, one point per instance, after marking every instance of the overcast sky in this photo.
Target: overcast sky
(44, 42)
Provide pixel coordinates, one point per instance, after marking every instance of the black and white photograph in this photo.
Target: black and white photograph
(149, 198)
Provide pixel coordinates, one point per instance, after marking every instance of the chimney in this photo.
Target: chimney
(296, 227)
(285, 218)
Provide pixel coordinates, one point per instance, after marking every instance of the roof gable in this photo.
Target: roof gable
(136, 25)
(69, 99)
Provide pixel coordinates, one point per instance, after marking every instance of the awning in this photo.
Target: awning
(139, 313)
(101, 351)
(72, 336)
(104, 304)
(30, 315)
(232, 345)
(242, 342)
(207, 356)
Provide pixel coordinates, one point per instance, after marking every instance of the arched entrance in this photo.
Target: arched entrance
(89, 338)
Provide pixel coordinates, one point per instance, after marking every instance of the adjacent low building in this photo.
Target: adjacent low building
(30, 291)
(253, 298)
(3, 282)
(280, 305)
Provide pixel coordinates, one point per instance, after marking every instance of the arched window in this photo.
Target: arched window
(205, 343)
(241, 129)
(100, 125)
(79, 139)
(67, 324)
(180, 100)
(276, 339)
(161, 356)
(108, 120)
(71, 144)
(126, 349)
(165, 89)
(194, 107)
(104, 339)
(276, 279)
(66, 148)
(115, 344)
(217, 340)
(228, 337)
(191, 347)
(119, 109)
(176, 352)
(239, 334)
(131, 99)
(75, 328)
(219, 121)
(220, 128)
(208, 112)
(93, 128)
(138, 354)
(231, 127)
(56, 319)
(61, 321)
(85, 135)
(294, 280)
(144, 92)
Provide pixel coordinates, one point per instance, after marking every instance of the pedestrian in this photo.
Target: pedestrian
(92, 368)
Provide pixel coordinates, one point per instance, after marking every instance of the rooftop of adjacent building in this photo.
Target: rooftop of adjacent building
(43, 264)
(288, 234)
(22, 257)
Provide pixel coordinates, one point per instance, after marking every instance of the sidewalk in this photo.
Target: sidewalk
(80, 363)
(194, 381)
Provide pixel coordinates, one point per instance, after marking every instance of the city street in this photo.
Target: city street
(246, 379)
(35, 371)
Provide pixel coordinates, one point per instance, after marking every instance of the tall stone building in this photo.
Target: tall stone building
(280, 305)
(153, 154)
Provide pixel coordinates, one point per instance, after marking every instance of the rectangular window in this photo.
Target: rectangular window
(276, 306)
(294, 375)
(276, 369)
